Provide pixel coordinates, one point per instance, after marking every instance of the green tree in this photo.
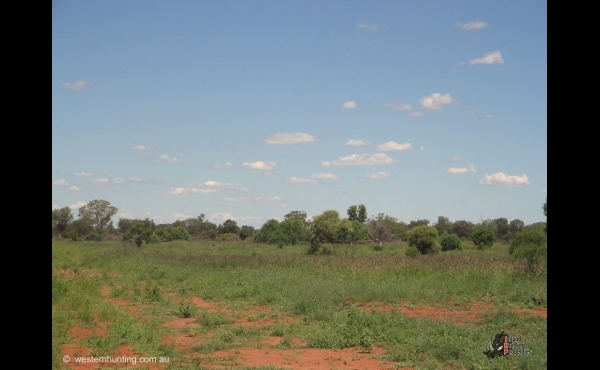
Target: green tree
(178, 233)
(229, 227)
(545, 208)
(293, 231)
(138, 233)
(360, 232)
(358, 213)
(483, 236)
(297, 215)
(61, 218)
(424, 238)
(502, 228)
(463, 228)
(423, 222)
(379, 231)
(450, 242)
(516, 226)
(270, 232)
(99, 211)
(79, 229)
(530, 245)
(443, 225)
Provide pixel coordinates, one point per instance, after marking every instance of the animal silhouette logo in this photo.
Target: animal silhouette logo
(497, 346)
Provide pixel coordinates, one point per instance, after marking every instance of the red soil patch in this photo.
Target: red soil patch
(305, 359)
(209, 306)
(78, 332)
(453, 315)
(183, 323)
(184, 341)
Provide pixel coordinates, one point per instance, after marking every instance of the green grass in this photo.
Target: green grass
(314, 288)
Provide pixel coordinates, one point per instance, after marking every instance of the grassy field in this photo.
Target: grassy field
(220, 305)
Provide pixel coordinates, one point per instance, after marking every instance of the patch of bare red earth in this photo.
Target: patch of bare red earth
(452, 315)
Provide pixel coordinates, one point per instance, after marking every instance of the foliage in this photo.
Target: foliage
(360, 232)
(530, 245)
(178, 233)
(329, 228)
(99, 211)
(545, 208)
(270, 232)
(229, 227)
(424, 238)
(324, 248)
(298, 215)
(125, 224)
(483, 236)
(397, 228)
(450, 242)
(138, 233)
(463, 228)
(358, 213)
(379, 231)
(443, 225)
(502, 228)
(293, 231)
(79, 229)
(411, 252)
(413, 224)
(61, 219)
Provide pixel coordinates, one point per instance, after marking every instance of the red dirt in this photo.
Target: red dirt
(183, 323)
(304, 359)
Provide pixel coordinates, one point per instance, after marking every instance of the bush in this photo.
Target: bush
(411, 252)
(483, 237)
(325, 248)
(154, 238)
(424, 238)
(530, 245)
(178, 233)
(450, 242)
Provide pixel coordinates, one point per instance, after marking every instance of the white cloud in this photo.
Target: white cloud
(84, 174)
(489, 116)
(142, 147)
(222, 216)
(61, 182)
(366, 26)
(422, 147)
(290, 138)
(77, 85)
(55, 206)
(324, 176)
(416, 114)
(260, 165)
(74, 188)
(456, 158)
(166, 158)
(398, 106)
(77, 205)
(349, 104)
(391, 145)
(207, 188)
(100, 181)
(499, 178)
(276, 198)
(137, 179)
(353, 142)
(378, 175)
(435, 101)
(299, 180)
(226, 165)
(460, 170)
(119, 180)
(360, 159)
(544, 191)
(180, 216)
(491, 58)
(473, 25)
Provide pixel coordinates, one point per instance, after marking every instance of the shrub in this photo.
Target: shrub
(530, 245)
(178, 233)
(324, 248)
(483, 237)
(424, 238)
(154, 238)
(450, 242)
(411, 252)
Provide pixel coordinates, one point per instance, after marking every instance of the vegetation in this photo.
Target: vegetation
(425, 239)
(483, 237)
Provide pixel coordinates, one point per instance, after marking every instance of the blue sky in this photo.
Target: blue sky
(251, 109)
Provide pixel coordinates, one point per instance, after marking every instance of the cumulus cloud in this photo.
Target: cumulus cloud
(74, 188)
(276, 198)
(378, 175)
(391, 145)
(85, 174)
(77, 205)
(491, 58)
(501, 179)
(77, 85)
(226, 165)
(299, 180)
(222, 216)
(324, 176)
(166, 158)
(207, 188)
(353, 142)
(142, 147)
(100, 181)
(360, 160)
(398, 106)
(460, 170)
(260, 165)
(473, 25)
(349, 104)
(61, 182)
(290, 138)
(435, 101)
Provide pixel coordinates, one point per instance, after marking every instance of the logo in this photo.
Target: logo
(504, 345)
